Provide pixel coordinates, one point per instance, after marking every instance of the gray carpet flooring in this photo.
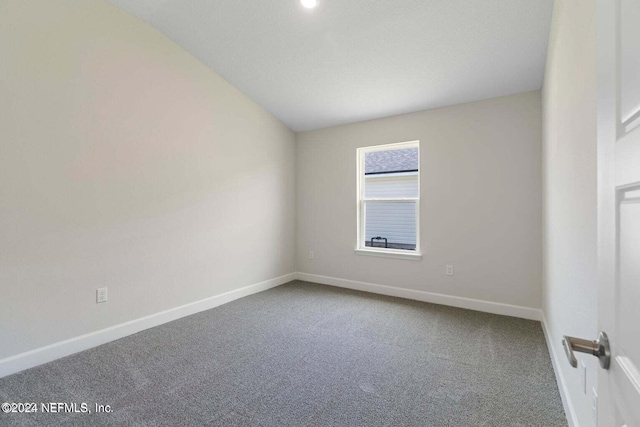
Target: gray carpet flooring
(304, 354)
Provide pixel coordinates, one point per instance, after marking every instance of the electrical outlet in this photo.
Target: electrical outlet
(594, 404)
(101, 295)
(311, 255)
(449, 270)
(583, 367)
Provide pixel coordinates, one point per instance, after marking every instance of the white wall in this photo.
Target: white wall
(569, 173)
(480, 203)
(126, 163)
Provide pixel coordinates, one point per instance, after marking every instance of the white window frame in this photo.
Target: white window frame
(361, 248)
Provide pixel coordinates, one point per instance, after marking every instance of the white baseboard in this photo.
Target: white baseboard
(454, 301)
(569, 409)
(38, 356)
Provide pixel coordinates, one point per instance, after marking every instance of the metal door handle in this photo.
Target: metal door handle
(598, 348)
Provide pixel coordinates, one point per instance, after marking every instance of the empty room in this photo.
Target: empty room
(320, 213)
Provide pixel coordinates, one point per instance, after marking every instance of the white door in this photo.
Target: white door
(618, 26)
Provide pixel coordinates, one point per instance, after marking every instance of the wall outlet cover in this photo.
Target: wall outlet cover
(101, 295)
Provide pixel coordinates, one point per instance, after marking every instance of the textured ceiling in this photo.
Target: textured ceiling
(353, 60)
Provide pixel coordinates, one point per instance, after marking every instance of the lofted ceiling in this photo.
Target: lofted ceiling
(353, 60)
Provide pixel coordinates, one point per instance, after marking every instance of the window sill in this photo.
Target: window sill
(413, 256)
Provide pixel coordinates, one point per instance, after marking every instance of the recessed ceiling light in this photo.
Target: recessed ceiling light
(309, 4)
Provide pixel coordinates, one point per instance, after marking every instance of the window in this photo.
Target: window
(389, 200)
